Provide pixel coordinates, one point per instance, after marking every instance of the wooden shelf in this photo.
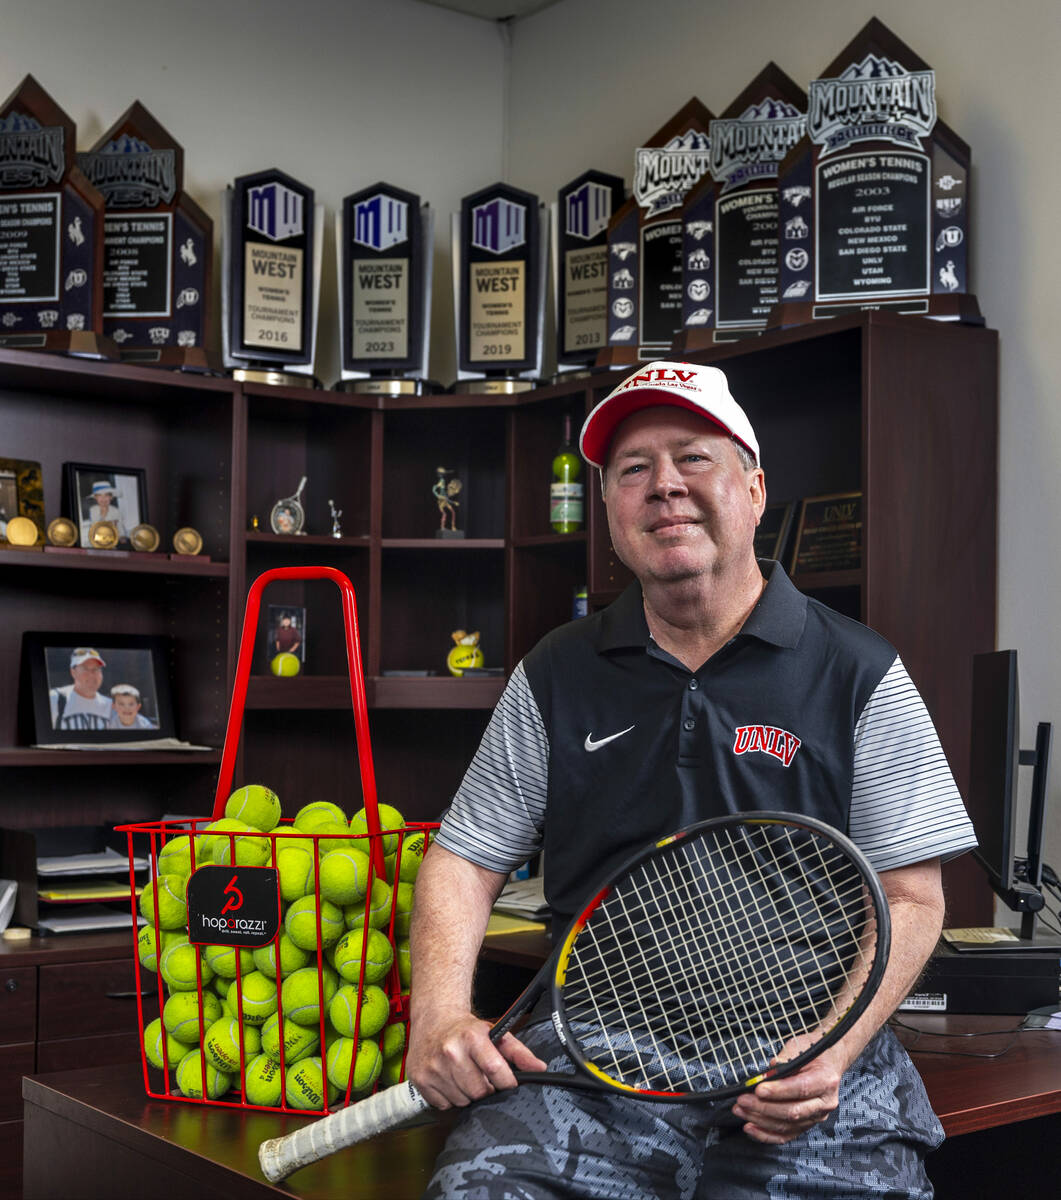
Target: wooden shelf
(433, 543)
(31, 756)
(116, 560)
(261, 538)
(550, 539)
(382, 691)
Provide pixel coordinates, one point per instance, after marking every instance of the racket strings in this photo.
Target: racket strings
(695, 972)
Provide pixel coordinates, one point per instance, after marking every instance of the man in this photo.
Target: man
(288, 639)
(622, 727)
(79, 705)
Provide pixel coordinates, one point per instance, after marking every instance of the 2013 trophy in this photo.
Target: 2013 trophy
(384, 239)
(874, 200)
(271, 240)
(51, 232)
(499, 257)
(645, 240)
(158, 246)
(729, 248)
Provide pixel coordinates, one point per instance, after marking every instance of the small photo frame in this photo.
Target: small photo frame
(97, 689)
(285, 630)
(94, 493)
(21, 493)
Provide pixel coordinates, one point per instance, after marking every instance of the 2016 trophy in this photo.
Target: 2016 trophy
(729, 248)
(580, 266)
(51, 232)
(645, 240)
(874, 201)
(271, 242)
(499, 257)
(157, 247)
(384, 239)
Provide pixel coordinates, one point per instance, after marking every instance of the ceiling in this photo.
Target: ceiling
(494, 10)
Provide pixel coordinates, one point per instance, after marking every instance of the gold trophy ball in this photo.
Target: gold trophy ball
(21, 531)
(62, 532)
(103, 535)
(187, 541)
(144, 538)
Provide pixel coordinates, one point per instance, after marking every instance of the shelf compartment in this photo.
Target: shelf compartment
(536, 433)
(317, 540)
(443, 543)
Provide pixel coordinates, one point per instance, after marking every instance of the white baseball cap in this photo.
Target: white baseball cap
(125, 689)
(83, 654)
(700, 390)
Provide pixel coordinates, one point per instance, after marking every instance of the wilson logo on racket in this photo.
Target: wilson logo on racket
(778, 742)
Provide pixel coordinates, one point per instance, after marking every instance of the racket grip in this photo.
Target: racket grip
(279, 1157)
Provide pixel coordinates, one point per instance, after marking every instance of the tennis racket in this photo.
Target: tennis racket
(733, 951)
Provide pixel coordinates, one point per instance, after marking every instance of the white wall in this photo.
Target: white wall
(591, 79)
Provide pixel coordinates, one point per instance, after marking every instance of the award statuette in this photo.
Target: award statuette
(384, 238)
(829, 537)
(51, 232)
(645, 240)
(729, 248)
(157, 246)
(271, 240)
(580, 266)
(499, 260)
(874, 200)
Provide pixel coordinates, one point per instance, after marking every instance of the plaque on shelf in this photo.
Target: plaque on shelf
(51, 232)
(579, 229)
(385, 242)
(499, 257)
(874, 199)
(775, 525)
(645, 240)
(157, 246)
(21, 494)
(271, 240)
(829, 537)
(730, 235)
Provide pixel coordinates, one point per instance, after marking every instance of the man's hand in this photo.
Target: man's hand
(781, 1109)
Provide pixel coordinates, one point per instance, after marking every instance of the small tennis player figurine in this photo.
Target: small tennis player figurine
(445, 493)
(336, 514)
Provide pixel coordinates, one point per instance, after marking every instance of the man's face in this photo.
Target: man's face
(126, 707)
(680, 504)
(87, 677)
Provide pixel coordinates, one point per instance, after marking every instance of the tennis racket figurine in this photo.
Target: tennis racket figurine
(732, 951)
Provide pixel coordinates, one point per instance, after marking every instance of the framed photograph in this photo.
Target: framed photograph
(21, 493)
(116, 495)
(771, 534)
(96, 688)
(285, 630)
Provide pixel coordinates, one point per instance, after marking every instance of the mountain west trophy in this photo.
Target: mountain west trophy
(499, 256)
(271, 241)
(579, 230)
(645, 240)
(875, 199)
(729, 247)
(384, 239)
(158, 246)
(51, 232)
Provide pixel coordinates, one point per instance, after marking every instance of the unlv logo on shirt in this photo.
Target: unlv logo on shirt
(778, 742)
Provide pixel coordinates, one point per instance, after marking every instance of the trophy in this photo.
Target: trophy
(271, 239)
(729, 248)
(874, 200)
(157, 246)
(645, 240)
(51, 232)
(384, 240)
(499, 257)
(580, 266)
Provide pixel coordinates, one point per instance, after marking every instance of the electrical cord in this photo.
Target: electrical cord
(1023, 1027)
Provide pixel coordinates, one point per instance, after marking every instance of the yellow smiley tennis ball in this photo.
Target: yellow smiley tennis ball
(285, 663)
(460, 658)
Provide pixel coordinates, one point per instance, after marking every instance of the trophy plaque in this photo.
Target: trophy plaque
(874, 200)
(771, 534)
(829, 537)
(51, 232)
(645, 240)
(499, 257)
(271, 243)
(157, 246)
(384, 238)
(580, 266)
(730, 235)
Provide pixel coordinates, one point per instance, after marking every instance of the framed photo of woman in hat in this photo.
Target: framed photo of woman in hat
(116, 496)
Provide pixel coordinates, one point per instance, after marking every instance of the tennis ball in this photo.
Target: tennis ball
(213, 839)
(379, 908)
(403, 908)
(178, 967)
(180, 1015)
(190, 1077)
(389, 818)
(223, 959)
(291, 958)
(300, 994)
(316, 812)
(344, 875)
(285, 663)
(262, 1082)
(393, 1042)
(306, 1085)
(405, 970)
(253, 849)
(391, 1073)
(299, 1040)
(336, 838)
(172, 905)
(256, 804)
(301, 922)
(379, 955)
(258, 994)
(175, 857)
(147, 943)
(153, 1037)
(375, 1009)
(412, 855)
(221, 1044)
(367, 1064)
(296, 867)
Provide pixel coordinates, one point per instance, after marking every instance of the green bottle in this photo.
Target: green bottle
(565, 498)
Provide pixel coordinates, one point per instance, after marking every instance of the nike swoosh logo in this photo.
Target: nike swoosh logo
(591, 745)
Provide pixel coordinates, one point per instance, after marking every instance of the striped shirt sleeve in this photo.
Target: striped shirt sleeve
(905, 806)
(496, 818)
